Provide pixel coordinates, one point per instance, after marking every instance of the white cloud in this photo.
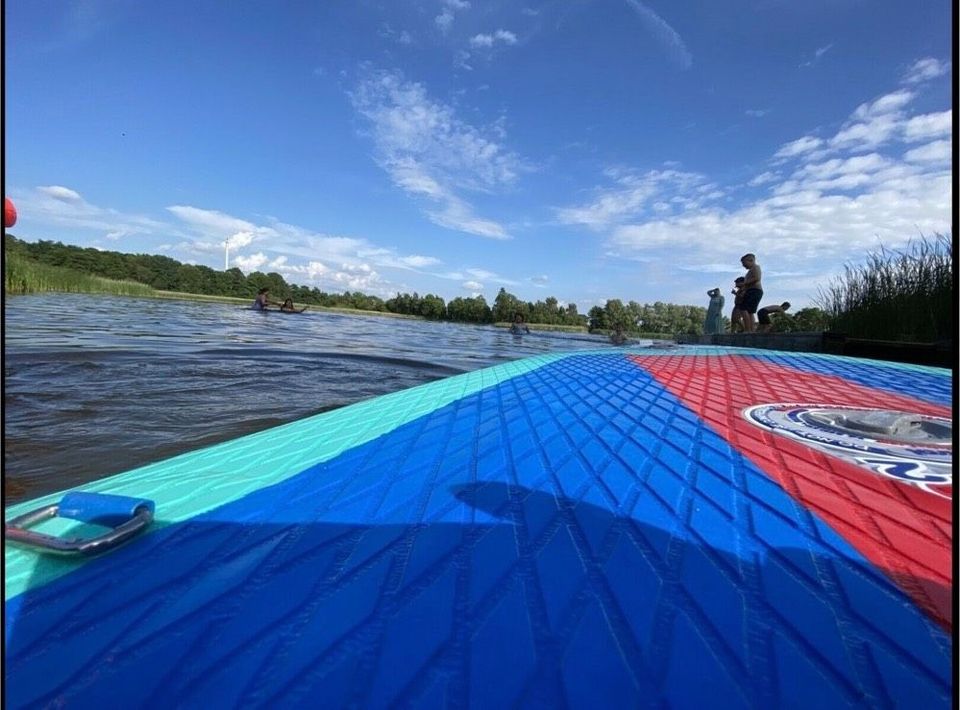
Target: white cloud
(764, 178)
(870, 126)
(935, 152)
(430, 153)
(56, 205)
(925, 69)
(419, 262)
(445, 19)
(472, 286)
(398, 36)
(757, 112)
(817, 55)
(927, 126)
(211, 221)
(253, 262)
(238, 240)
(540, 280)
(798, 147)
(668, 37)
(637, 193)
(64, 194)
(886, 104)
(488, 40)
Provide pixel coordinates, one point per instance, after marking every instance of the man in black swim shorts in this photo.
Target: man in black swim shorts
(753, 292)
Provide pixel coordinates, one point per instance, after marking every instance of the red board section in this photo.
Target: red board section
(903, 530)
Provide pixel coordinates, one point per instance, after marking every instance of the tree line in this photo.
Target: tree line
(166, 274)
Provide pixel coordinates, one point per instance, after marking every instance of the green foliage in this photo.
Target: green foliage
(22, 275)
(470, 310)
(806, 320)
(647, 320)
(896, 295)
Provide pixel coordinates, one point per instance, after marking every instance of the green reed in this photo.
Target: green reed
(23, 275)
(905, 295)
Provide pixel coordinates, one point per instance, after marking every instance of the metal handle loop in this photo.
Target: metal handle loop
(16, 531)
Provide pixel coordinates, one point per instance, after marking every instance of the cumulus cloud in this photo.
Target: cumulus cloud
(636, 194)
(59, 206)
(668, 37)
(238, 240)
(472, 286)
(935, 152)
(798, 147)
(64, 194)
(924, 70)
(871, 125)
(488, 40)
(214, 221)
(764, 178)
(540, 280)
(927, 126)
(448, 9)
(250, 263)
(432, 154)
(419, 262)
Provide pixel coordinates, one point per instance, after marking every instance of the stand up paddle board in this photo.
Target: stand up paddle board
(696, 527)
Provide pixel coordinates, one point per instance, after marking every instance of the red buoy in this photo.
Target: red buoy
(9, 213)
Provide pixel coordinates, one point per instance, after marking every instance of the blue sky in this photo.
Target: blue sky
(586, 149)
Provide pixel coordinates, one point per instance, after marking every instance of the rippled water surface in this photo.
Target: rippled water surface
(96, 385)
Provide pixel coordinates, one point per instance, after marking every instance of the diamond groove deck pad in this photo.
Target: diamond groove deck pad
(610, 529)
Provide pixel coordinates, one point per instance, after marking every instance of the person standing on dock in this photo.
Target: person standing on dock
(712, 323)
(736, 316)
(753, 291)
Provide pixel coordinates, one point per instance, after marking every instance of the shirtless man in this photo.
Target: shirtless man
(763, 316)
(753, 292)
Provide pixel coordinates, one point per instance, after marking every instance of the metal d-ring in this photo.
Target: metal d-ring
(138, 516)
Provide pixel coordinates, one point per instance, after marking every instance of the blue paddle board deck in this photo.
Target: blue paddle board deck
(596, 530)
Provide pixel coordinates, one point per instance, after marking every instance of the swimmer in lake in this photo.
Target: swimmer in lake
(287, 307)
(518, 325)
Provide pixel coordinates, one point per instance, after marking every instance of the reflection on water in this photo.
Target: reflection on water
(96, 385)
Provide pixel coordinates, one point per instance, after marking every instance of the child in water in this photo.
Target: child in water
(287, 307)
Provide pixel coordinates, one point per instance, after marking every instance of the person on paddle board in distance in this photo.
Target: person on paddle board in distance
(518, 325)
(9, 213)
(263, 300)
(287, 307)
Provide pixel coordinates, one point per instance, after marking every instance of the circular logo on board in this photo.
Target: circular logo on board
(916, 449)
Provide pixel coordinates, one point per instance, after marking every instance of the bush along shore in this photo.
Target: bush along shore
(23, 275)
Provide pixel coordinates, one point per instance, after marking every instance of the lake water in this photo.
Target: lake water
(97, 385)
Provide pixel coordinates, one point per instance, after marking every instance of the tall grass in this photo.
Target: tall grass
(24, 275)
(903, 295)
